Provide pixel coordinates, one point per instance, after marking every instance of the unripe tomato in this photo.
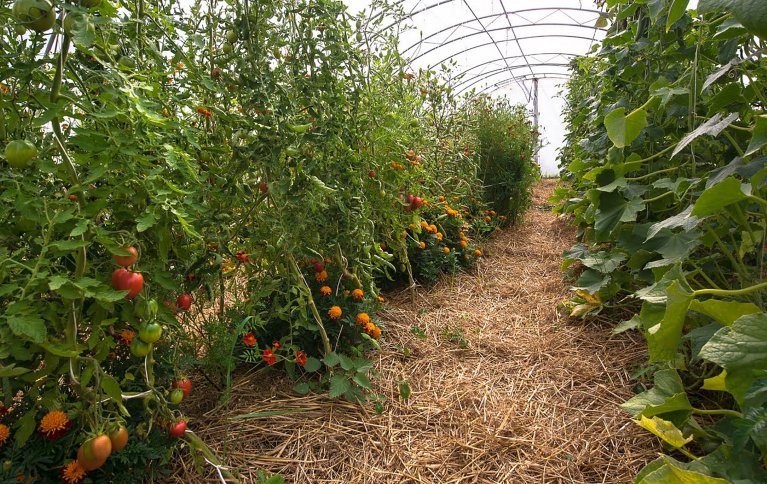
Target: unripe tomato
(19, 153)
(177, 429)
(94, 452)
(176, 396)
(231, 36)
(140, 348)
(119, 438)
(126, 260)
(37, 15)
(150, 332)
(184, 384)
(184, 302)
(227, 48)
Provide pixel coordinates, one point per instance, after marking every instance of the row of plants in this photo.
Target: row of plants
(664, 174)
(189, 187)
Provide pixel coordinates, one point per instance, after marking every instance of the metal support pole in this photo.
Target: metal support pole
(536, 115)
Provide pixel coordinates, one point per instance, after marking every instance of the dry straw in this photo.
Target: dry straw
(533, 398)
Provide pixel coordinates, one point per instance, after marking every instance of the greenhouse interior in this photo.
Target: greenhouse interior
(383, 241)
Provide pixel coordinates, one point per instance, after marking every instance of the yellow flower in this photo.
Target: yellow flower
(321, 276)
(5, 432)
(358, 294)
(487, 219)
(326, 291)
(363, 319)
(381, 299)
(478, 253)
(422, 245)
(439, 236)
(452, 213)
(433, 229)
(464, 244)
(375, 332)
(335, 312)
(73, 473)
(54, 422)
(424, 225)
(411, 226)
(446, 250)
(441, 198)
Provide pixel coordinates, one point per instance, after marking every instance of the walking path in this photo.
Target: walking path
(503, 388)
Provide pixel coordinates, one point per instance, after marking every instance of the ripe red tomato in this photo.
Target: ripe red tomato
(119, 438)
(177, 429)
(184, 302)
(263, 187)
(372, 173)
(125, 280)
(126, 260)
(72, 197)
(184, 384)
(319, 266)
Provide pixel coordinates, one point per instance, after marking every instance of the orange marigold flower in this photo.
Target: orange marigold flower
(249, 339)
(446, 250)
(451, 212)
(126, 336)
(300, 358)
(326, 291)
(381, 299)
(335, 312)
(4, 89)
(439, 236)
(433, 229)
(492, 212)
(269, 357)
(54, 425)
(441, 198)
(363, 319)
(276, 345)
(321, 276)
(422, 245)
(464, 243)
(5, 432)
(487, 219)
(358, 294)
(73, 473)
(369, 327)
(375, 333)
(411, 226)
(478, 253)
(503, 217)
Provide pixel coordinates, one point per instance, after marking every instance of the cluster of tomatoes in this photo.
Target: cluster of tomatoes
(94, 452)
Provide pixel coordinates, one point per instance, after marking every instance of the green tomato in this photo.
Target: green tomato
(227, 48)
(74, 23)
(20, 29)
(140, 348)
(19, 153)
(232, 36)
(176, 396)
(150, 332)
(37, 15)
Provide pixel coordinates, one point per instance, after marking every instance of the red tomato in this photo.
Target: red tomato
(319, 266)
(177, 429)
(184, 384)
(184, 302)
(126, 260)
(372, 174)
(263, 187)
(125, 280)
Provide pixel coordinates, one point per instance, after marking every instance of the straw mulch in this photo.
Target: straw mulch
(533, 398)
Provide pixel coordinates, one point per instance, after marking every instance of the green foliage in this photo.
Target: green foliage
(506, 143)
(671, 205)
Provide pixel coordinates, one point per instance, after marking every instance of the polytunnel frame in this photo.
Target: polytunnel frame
(567, 11)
